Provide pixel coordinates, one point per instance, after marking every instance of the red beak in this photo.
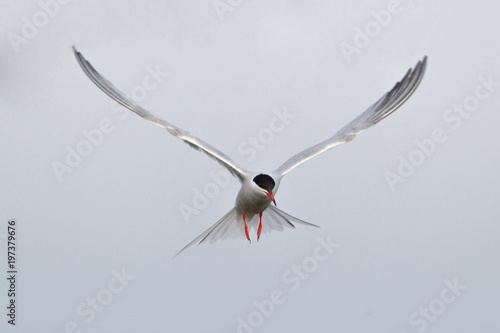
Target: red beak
(271, 196)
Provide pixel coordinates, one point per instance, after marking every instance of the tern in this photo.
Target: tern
(258, 189)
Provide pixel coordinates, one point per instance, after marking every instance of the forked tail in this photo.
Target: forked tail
(231, 225)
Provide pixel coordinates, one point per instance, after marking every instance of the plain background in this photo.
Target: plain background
(120, 208)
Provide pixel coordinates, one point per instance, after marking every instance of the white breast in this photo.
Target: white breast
(251, 199)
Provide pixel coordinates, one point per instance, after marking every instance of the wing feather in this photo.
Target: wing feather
(386, 105)
(193, 141)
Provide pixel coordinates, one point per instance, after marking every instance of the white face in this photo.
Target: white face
(264, 194)
(264, 184)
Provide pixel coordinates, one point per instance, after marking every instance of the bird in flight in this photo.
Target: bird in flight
(258, 189)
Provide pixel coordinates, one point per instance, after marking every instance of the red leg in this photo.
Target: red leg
(246, 228)
(260, 227)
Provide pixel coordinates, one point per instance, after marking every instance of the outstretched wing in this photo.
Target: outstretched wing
(194, 142)
(386, 105)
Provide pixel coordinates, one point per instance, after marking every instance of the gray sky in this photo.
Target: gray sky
(103, 199)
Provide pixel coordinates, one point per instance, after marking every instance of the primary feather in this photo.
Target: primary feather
(386, 105)
(193, 141)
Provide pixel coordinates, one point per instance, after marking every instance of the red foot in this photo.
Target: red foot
(260, 227)
(246, 228)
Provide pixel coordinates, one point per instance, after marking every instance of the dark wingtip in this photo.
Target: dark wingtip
(75, 51)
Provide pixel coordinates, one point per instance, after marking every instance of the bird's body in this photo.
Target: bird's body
(251, 200)
(253, 209)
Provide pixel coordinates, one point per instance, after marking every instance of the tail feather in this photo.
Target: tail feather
(231, 225)
(272, 222)
(281, 220)
(222, 229)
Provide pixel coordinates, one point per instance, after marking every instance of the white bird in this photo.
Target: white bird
(259, 189)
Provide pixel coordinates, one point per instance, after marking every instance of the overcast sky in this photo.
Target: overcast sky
(103, 200)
